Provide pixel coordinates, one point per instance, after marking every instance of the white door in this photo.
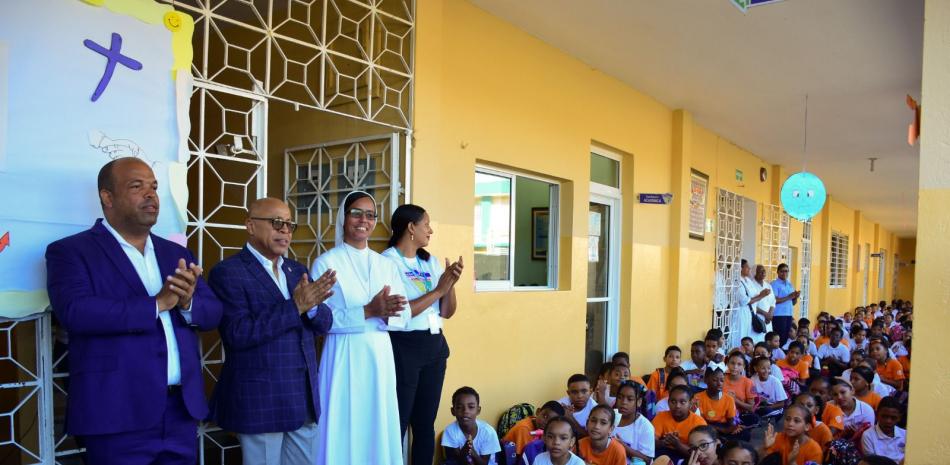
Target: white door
(603, 281)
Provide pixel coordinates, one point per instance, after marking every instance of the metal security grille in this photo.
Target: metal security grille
(773, 248)
(348, 57)
(728, 257)
(319, 177)
(838, 265)
(806, 270)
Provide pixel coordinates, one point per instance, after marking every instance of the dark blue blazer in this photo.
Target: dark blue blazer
(270, 365)
(118, 360)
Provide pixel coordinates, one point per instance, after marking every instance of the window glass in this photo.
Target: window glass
(604, 170)
(492, 227)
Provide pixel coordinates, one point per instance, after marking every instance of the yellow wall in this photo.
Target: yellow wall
(928, 411)
(486, 93)
(907, 252)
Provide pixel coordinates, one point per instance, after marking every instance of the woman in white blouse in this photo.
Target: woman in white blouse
(420, 350)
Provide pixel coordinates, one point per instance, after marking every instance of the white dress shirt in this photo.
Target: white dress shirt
(146, 266)
(280, 279)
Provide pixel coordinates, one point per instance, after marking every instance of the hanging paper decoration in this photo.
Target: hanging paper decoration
(803, 195)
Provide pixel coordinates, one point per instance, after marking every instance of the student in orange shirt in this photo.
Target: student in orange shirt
(523, 432)
(716, 407)
(830, 414)
(793, 443)
(598, 448)
(861, 379)
(793, 360)
(820, 432)
(890, 370)
(672, 428)
(738, 385)
(657, 383)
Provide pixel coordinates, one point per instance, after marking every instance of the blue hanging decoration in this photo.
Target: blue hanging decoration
(803, 195)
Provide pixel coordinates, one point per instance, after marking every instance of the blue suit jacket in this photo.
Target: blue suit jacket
(270, 366)
(118, 360)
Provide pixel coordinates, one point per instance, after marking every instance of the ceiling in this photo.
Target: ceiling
(744, 76)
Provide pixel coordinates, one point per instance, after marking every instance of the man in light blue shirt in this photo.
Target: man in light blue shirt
(785, 299)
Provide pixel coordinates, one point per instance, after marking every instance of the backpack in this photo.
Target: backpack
(790, 382)
(513, 415)
(842, 452)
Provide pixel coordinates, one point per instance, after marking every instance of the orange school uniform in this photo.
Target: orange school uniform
(742, 389)
(801, 367)
(821, 433)
(833, 416)
(871, 398)
(720, 410)
(614, 454)
(905, 363)
(892, 369)
(809, 451)
(658, 385)
(826, 340)
(664, 423)
(520, 434)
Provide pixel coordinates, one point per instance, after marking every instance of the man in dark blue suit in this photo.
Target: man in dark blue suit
(267, 391)
(131, 303)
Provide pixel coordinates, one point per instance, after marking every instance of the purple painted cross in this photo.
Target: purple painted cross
(113, 55)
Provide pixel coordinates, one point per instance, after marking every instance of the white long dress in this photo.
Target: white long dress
(359, 421)
(741, 322)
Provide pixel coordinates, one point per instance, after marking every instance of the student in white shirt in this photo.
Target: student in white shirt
(768, 387)
(420, 350)
(579, 400)
(469, 438)
(886, 438)
(834, 354)
(559, 440)
(857, 414)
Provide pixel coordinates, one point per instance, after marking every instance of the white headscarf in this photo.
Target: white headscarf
(341, 217)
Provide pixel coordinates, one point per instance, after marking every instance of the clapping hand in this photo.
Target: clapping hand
(451, 275)
(310, 294)
(770, 436)
(178, 289)
(385, 305)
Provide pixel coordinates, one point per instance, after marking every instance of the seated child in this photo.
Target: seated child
(716, 407)
(671, 429)
(696, 366)
(834, 355)
(861, 378)
(796, 424)
(607, 391)
(774, 343)
(748, 348)
(768, 388)
(703, 445)
(677, 378)
(886, 438)
(741, 389)
(857, 415)
(579, 400)
(599, 447)
(468, 439)
(890, 370)
(635, 432)
(737, 453)
(820, 432)
(523, 432)
(712, 345)
(621, 358)
(859, 338)
(762, 350)
(671, 360)
(793, 361)
(559, 440)
(831, 414)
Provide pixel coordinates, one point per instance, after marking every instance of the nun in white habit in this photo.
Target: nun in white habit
(357, 383)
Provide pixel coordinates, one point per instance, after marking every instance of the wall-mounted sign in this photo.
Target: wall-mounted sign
(657, 199)
(739, 176)
(698, 185)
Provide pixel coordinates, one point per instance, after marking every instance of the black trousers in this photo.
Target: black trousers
(782, 325)
(420, 370)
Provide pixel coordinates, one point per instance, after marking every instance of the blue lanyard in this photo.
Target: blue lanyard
(423, 276)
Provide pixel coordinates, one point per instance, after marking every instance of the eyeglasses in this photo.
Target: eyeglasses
(703, 446)
(279, 223)
(357, 213)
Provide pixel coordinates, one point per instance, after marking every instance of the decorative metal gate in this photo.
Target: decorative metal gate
(805, 296)
(728, 258)
(773, 248)
(349, 57)
(319, 176)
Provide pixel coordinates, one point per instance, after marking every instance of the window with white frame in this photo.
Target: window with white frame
(838, 269)
(515, 231)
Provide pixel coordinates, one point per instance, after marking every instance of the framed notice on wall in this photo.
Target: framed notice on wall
(698, 186)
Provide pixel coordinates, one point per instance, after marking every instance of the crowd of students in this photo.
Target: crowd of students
(837, 391)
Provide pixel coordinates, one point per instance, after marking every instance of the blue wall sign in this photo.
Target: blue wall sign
(658, 199)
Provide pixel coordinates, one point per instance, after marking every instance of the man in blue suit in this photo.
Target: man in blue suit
(267, 391)
(131, 303)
